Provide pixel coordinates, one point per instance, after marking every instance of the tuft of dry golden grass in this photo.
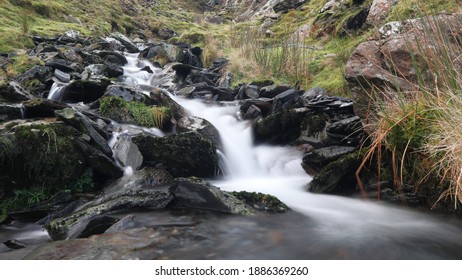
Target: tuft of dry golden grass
(422, 129)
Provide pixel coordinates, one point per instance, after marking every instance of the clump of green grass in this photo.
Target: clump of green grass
(20, 64)
(406, 9)
(143, 115)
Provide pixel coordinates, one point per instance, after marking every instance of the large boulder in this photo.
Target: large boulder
(390, 58)
(183, 155)
(85, 91)
(319, 158)
(40, 154)
(338, 177)
(281, 128)
(143, 190)
(200, 125)
(75, 224)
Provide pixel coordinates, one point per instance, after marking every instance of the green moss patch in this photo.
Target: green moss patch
(135, 112)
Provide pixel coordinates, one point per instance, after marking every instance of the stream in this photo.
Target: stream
(338, 220)
(320, 227)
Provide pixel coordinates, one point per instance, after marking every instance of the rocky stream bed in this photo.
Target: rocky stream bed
(114, 149)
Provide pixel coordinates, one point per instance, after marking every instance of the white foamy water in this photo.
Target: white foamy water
(55, 91)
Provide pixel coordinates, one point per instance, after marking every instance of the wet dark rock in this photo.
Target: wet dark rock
(248, 91)
(62, 76)
(13, 91)
(14, 244)
(127, 153)
(60, 64)
(112, 57)
(313, 130)
(40, 73)
(146, 178)
(281, 128)
(56, 205)
(200, 125)
(285, 99)
(98, 161)
(190, 56)
(252, 113)
(273, 90)
(313, 93)
(83, 91)
(223, 94)
(84, 124)
(142, 191)
(153, 198)
(92, 226)
(195, 193)
(40, 154)
(41, 108)
(147, 69)
(262, 202)
(319, 158)
(348, 130)
(183, 155)
(263, 104)
(11, 112)
(186, 91)
(338, 177)
(127, 93)
(36, 79)
(127, 43)
(358, 20)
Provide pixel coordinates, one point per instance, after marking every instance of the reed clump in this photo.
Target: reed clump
(254, 54)
(421, 127)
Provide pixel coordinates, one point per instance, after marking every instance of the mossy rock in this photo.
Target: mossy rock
(40, 155)
(134, 112)
(280, 128)
(338, 177)
(183, 155)
(262, 202)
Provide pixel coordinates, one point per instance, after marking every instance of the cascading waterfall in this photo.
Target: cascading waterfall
(277, 171)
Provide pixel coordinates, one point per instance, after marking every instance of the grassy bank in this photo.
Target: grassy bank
(420, 128)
